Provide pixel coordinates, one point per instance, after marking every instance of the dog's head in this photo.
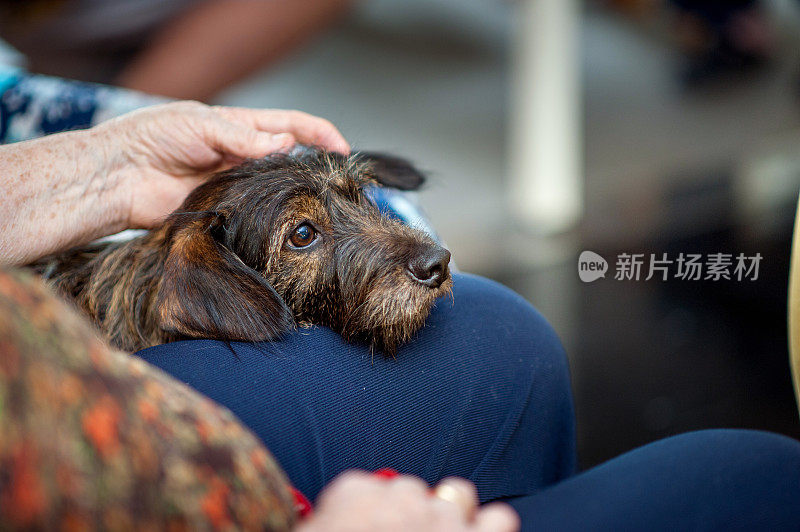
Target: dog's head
(295, 239)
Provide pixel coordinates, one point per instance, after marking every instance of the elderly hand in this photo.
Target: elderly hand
(356, 501)
(130, 172)
(165, 151)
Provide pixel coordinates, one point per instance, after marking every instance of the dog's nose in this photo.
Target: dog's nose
(430, 267)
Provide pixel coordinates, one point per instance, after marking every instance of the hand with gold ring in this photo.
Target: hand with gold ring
(356, 500)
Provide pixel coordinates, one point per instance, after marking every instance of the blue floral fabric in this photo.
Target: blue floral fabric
(32, 106)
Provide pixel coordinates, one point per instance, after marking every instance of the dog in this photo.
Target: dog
(257, 250)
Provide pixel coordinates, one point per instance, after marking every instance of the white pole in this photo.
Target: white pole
(546, 177)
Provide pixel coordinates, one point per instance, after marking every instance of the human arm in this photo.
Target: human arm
(214, 44)
(130, 172)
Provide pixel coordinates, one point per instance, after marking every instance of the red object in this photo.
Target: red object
(386, 472)
(301, 503)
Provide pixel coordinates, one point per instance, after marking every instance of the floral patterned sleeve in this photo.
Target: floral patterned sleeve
(32, 105)
(92, 438)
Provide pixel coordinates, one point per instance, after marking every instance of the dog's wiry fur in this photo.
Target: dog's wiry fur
(223, 266)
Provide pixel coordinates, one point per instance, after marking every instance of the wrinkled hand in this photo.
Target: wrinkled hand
(161, 153)
(67, 189)
(356, 501)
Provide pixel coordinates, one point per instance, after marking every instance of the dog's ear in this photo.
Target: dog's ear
(394, 172)
(206, 291)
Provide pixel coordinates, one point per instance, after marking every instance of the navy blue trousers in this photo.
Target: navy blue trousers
(482, 392)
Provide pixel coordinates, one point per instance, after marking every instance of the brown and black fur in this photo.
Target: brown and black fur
(223, 265)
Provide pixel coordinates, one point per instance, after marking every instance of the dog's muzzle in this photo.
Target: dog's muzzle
(430, 267)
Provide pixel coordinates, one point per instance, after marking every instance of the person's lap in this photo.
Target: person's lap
(707, 480)
(482, 392)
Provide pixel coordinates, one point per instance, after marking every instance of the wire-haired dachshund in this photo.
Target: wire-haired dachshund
(260, 248)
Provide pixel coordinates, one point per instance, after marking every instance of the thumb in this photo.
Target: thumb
(245, 142)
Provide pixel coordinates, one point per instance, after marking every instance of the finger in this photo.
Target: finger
(408, 487)
(306, 128)
(446, 516)
(245, 142)
(346, 485)
(496, 517)
(459, 492)
(150, 210)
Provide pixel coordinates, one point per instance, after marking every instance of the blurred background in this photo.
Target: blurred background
(547, 127)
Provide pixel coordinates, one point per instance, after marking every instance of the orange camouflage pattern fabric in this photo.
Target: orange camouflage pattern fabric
(93, 438)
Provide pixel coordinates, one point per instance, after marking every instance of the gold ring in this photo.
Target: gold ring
(448, 493)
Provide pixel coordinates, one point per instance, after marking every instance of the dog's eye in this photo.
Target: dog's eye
(303, 236)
